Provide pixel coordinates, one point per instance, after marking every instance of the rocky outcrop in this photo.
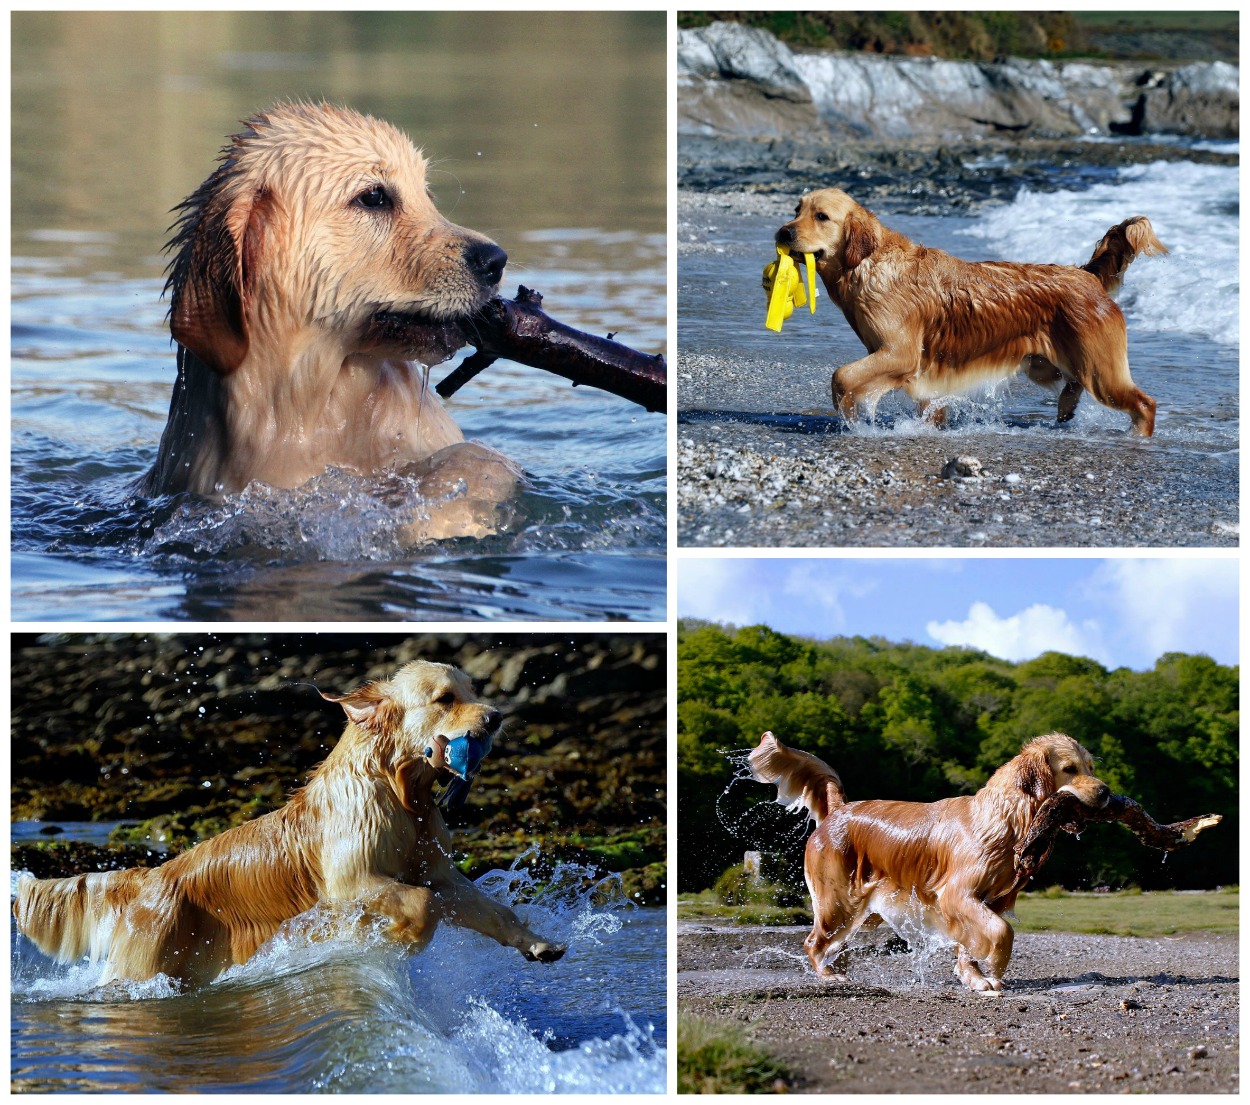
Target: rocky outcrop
(1199, 99)
(737, 81)
(742, 81)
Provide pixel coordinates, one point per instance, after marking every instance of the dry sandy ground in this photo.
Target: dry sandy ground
(1081, 1014)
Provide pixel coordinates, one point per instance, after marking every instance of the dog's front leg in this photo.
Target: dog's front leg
(462, 903)
(871, 377)
(413, 911)
(465, 488)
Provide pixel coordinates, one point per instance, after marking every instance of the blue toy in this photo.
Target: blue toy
(463, 756)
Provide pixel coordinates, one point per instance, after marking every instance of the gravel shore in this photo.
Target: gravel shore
(1081, 1014)
(856, 490)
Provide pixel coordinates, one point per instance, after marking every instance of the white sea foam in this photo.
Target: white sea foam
(1193, 208)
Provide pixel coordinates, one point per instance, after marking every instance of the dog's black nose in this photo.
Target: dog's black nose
(486, 261)
(785, 236)
(492, 717)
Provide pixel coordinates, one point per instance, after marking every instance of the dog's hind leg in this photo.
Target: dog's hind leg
(826, 943)
(1068, 399)
(1096, 357)
(1048, 375)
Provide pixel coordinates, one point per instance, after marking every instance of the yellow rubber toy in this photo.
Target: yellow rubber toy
(785, 289)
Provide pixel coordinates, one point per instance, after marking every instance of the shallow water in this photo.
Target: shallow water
(339, 1014)
(92, 365)
(1182, 312)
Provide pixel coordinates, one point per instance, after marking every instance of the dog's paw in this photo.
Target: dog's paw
(544, 952)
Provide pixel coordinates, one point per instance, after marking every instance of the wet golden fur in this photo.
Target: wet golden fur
(935, 325)
(947, 866)
(316, 220)
(365, 830)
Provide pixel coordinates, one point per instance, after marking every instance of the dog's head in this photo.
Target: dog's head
(834, 228)
(425, 717)
(1056, 762)
(318, 217)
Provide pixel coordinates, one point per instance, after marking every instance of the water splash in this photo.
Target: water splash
(329, 1003)
(764, 814)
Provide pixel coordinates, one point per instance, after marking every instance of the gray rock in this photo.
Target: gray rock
(732, 51)
(1199, 99)
(962, 468)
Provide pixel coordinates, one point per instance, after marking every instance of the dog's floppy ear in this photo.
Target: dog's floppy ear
(1034, 776)
(860, 238)
(370, 707)
(219, 241)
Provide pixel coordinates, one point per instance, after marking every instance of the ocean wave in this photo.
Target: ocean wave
(1194, 210)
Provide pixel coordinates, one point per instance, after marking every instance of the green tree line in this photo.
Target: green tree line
(909, 722)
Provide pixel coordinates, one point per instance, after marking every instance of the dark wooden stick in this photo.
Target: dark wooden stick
(519, 330)
(1064, 811)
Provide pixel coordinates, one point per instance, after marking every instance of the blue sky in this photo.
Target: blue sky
(1125, 611)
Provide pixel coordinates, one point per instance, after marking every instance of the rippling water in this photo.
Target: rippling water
(576, 197)
(358, 1015)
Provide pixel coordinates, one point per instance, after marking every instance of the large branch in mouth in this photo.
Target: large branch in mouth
(1065, 811)
(520, 331)
(415, 339)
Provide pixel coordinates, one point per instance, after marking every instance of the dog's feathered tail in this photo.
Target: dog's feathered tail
(72, 917)
(1119, 246)
(802, 780)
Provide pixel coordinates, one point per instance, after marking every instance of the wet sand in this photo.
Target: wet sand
(1081, 1014)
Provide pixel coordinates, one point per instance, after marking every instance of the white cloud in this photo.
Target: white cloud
(816, 592)
(1171, 605)
(721, 590)
(1036, 629)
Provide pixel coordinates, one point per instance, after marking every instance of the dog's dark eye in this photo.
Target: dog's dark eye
(445, 699)
(375, 198)
(821, 217)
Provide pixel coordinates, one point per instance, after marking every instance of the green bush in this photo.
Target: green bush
(736, 887)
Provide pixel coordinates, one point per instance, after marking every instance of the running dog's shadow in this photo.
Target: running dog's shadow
(816, 424)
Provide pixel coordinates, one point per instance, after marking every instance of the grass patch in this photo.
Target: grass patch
(1122, 913)
(1129, 912)
(719, 1057)
(983, 35)
(1139, 21)
(707, 906)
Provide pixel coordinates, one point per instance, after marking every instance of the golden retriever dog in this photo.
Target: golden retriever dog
(935, 325)
(316, 220)
(947, 866)
(365, 831)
